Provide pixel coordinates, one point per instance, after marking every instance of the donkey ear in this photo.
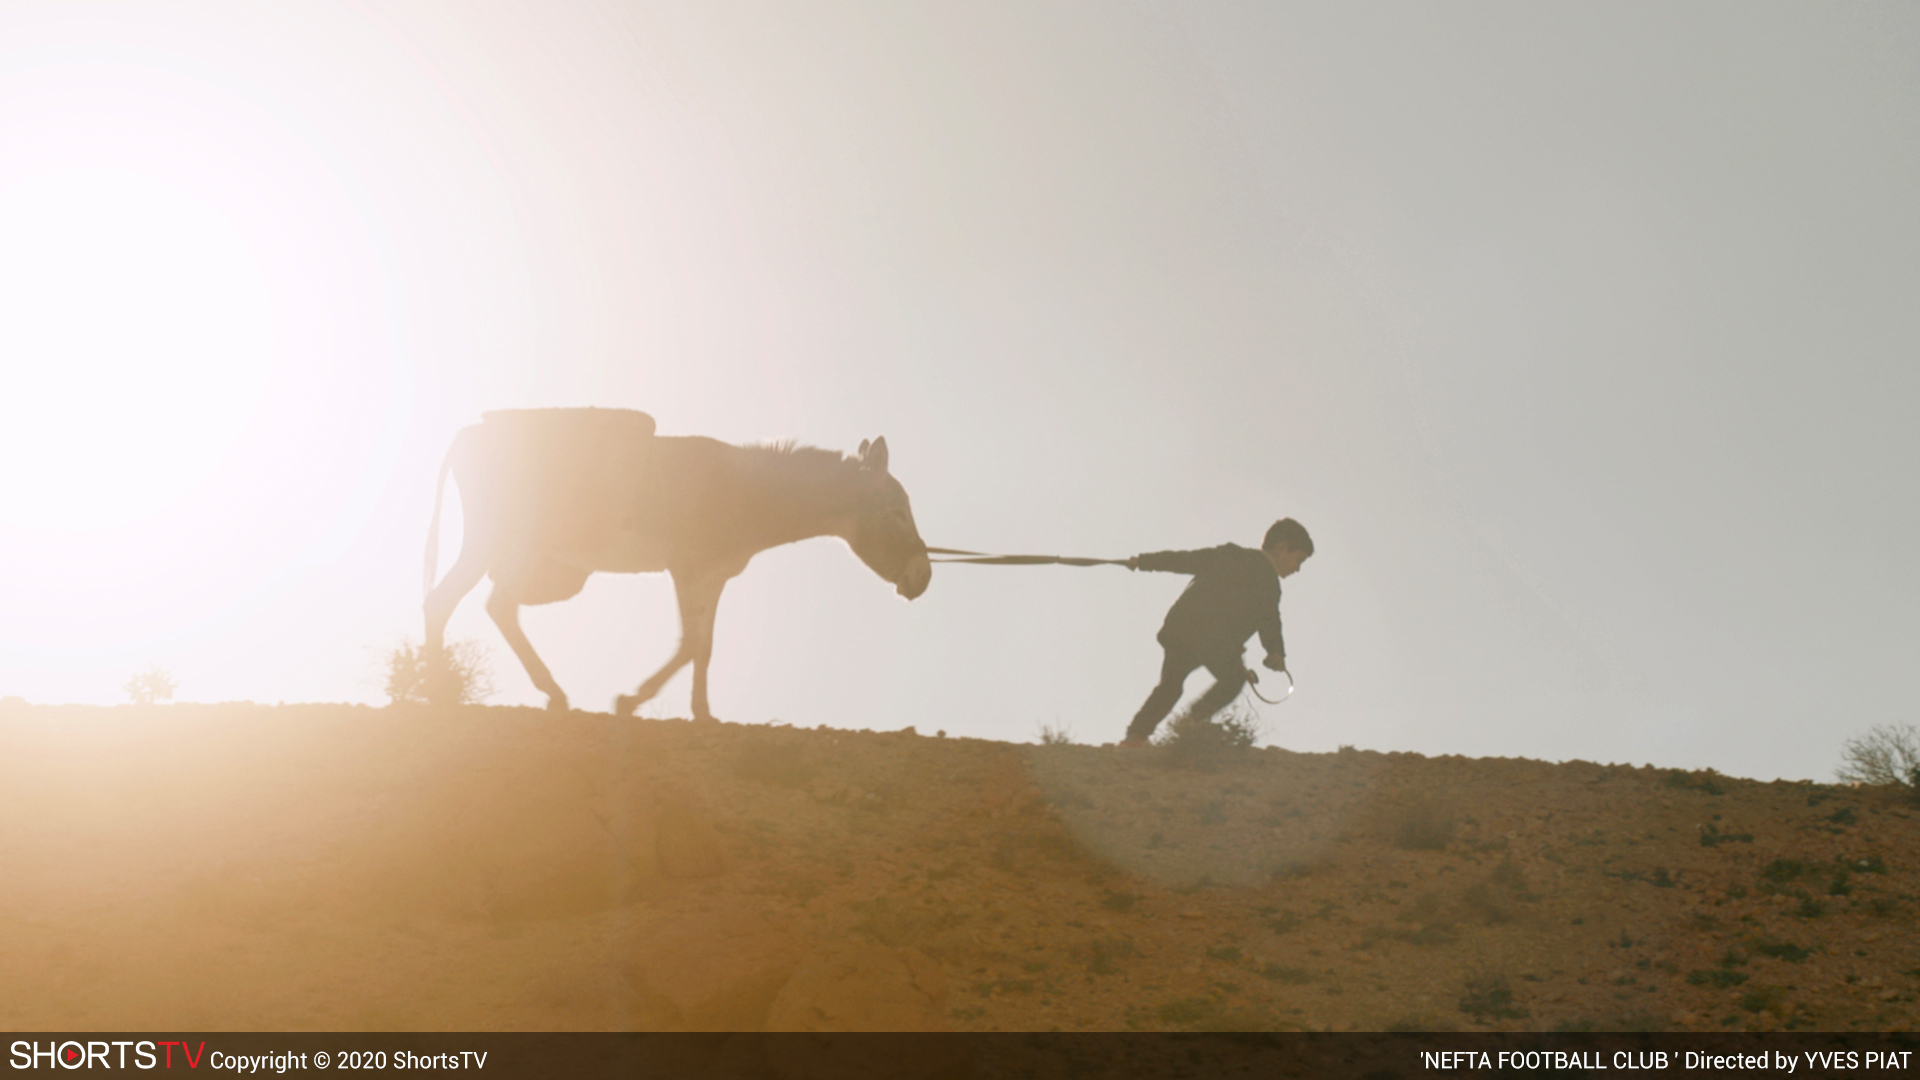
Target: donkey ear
(875, 454)
(864, 444)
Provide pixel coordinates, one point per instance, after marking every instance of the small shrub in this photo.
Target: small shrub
(1711, 836)
(1225, 735)
(152, 685)
(1050, 735)
(1886, 754)
(1721, 978)
(1703, 780)
(1489, 998)
(457, 676)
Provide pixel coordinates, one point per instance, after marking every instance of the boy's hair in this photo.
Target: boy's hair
(1288, 533)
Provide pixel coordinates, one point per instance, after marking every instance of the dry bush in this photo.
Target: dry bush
(152, 685)
(1051, 735)
(1225, 735)
(1489, 998)
(1886, 754)
(458, 676)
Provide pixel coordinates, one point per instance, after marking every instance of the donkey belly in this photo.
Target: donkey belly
(625, 552)
(541, 580)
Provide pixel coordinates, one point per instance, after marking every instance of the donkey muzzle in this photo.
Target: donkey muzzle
(914, 580)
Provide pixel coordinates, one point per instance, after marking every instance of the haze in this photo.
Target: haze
(1582, 339)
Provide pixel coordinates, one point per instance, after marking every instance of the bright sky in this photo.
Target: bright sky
(1583, 339)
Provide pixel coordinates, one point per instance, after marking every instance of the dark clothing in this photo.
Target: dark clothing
(1230, 678)
(1235, 593)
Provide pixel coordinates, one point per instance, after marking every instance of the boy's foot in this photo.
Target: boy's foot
(1133, 742)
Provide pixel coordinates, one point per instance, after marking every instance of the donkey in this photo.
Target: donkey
(549, 496)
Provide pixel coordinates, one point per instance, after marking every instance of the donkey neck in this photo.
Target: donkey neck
(797, 493)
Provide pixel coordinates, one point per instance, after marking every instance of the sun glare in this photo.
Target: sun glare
(182, 297)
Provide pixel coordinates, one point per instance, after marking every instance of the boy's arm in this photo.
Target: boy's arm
(1276, 646)
(1177, 562)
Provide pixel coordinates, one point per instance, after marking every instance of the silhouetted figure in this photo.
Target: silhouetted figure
(552, 495)
(1235, 593)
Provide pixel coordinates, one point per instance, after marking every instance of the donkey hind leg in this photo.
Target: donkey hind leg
(465, 573)
(504, 606)
(689, 592)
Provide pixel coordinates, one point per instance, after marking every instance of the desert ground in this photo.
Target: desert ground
(339, 867)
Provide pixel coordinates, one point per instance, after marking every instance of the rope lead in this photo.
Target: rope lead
(1018, 560)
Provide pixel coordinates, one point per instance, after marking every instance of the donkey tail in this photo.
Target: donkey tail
(433, 527)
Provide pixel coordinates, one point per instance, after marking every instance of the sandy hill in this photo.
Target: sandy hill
(337, 867)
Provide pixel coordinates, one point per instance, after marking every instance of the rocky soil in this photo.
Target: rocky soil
(327, 867)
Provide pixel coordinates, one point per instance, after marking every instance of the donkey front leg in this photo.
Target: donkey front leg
(706, 603)
(624, 704)
(697, 597)
(504, 606)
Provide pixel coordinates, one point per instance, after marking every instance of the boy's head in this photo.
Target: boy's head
(1287, 545)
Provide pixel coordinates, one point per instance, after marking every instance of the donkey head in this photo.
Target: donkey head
(884, 535)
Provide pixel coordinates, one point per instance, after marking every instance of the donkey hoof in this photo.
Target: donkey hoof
(625, 704)
(557, 703)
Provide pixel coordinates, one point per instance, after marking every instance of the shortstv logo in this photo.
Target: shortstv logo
(96, 1054)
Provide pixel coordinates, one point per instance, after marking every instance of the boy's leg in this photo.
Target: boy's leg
(1231, 676)
(1173, 676)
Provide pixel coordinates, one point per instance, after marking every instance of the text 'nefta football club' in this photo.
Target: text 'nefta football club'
(1778, 1061)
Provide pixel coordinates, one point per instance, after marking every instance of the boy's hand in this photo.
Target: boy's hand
(1275, 662)
(1252, 676)
(1133, 563)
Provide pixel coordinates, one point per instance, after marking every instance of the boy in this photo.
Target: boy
(1234, 593)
